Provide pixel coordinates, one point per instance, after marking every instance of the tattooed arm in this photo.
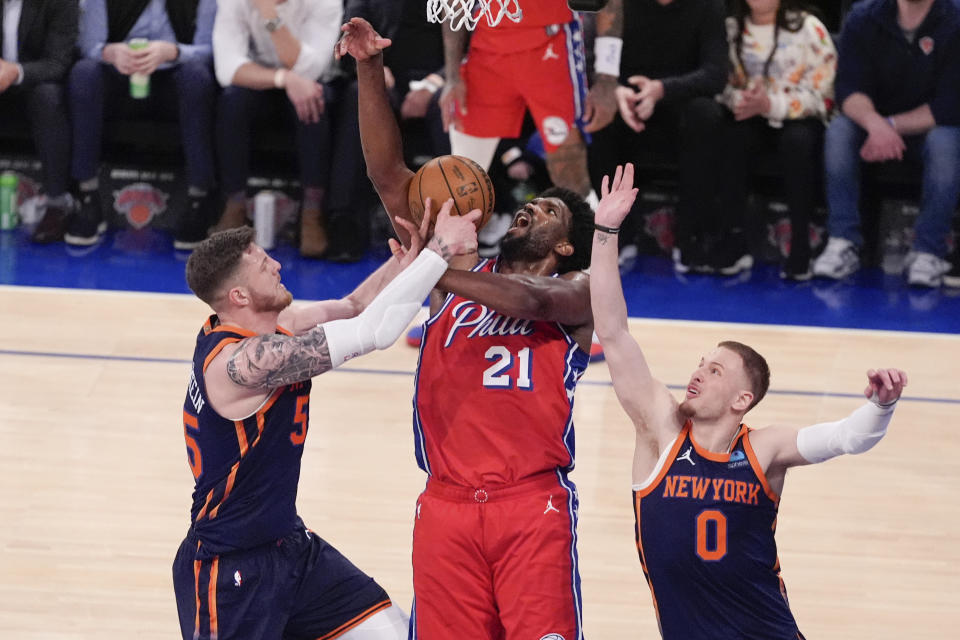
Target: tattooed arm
(270, 361)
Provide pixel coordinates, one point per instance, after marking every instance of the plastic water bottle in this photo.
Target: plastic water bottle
(8, 200)
(139, 82)
(265, 219)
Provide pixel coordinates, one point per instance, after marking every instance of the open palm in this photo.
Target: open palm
(360, 40)
(616, 197)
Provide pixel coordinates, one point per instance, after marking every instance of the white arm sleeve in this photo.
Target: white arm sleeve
(856, 433)
(387, 315)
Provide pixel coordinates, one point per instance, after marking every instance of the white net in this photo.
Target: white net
(467, 13)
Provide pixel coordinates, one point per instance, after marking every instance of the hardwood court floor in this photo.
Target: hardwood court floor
(96, 489)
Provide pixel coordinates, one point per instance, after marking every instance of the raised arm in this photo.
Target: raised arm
(646, 400)
(301, 318)
(779, 448)
(453, 96)
(379, 133)
(565, 299)
(259, 364)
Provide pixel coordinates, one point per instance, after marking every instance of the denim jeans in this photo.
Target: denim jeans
(186, 92)
(939, 152)
(240, 108)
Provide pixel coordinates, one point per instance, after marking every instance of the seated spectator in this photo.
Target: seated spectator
(177, 60)
(659, 95)
(36, 50)
(779, 95)
(898, 86)
(413, 70)
(272, 56)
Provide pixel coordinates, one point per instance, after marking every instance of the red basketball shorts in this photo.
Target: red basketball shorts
(548, 80)
(496, 564)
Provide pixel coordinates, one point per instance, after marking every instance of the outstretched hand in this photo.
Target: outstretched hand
(616, 197)
(453, 235)
(418, 237)
(884, 386)
(360, 40)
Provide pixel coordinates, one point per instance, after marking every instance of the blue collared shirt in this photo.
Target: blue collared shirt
(876, 59)
(153, 24)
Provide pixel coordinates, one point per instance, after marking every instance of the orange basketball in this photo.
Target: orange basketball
(454, 177)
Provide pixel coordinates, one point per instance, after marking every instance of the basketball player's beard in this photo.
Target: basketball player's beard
(276, 303)
(524, 248)
(686, 411)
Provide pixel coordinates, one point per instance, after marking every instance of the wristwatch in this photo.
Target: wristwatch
(273, 24)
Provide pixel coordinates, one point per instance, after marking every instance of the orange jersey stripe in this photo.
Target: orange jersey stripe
(643, 559)
(206, 504)
(217, 349)
(212, 595)
(758, 470)
(350, 624)
(235, 329)
(196, 590)
(674, 450)
(226, 492)
(241, 437)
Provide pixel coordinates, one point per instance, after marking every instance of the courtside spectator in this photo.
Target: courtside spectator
(36, 50)
(177, 59)
(272, 57)
(779, 95)
(657, 94)
(898, 86)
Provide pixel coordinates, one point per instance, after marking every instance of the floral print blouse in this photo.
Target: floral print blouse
(800, 77)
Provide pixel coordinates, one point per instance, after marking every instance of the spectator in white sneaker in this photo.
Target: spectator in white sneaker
(897, 85)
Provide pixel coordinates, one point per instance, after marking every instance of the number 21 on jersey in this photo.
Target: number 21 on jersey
(500, 374)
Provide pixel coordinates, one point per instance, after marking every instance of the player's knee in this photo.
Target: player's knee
(390, 624)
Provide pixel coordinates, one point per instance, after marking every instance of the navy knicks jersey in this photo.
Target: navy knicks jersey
(246, 471)
(705, 533)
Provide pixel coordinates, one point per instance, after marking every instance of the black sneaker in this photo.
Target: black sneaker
(87, 225)
(51, 226)
(193, 222)
(730, 255)
(952, 278)
(796, 268)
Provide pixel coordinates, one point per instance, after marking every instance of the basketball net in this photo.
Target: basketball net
(467, 13)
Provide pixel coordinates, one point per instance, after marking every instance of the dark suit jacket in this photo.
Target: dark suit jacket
(385, 16)
(47, 37)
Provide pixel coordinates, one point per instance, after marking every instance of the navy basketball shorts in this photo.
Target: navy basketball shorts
(296, 587)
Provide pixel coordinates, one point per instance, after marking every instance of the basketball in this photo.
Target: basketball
(454, 177)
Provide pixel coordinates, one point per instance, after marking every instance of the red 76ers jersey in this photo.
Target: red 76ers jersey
(494, 395)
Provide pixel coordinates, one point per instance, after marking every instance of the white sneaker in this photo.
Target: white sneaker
(627, 256)
(926, 270)
(839, 259)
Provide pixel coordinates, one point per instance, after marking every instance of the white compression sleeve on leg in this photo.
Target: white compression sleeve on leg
(856, 433)
(480, 150)
(390, 624)
(387, 315)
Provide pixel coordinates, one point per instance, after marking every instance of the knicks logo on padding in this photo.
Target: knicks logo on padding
(139, 203)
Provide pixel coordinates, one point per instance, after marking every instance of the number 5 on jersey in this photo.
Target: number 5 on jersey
(191, 429)
(498, 375)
